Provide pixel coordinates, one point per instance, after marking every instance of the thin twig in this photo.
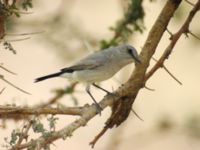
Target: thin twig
(23, 34)
(97, 137)
(4, 68)
(17, 40)
(11, 84)
(2, 90)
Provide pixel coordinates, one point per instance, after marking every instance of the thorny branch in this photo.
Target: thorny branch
(184, 29)
(124, 97)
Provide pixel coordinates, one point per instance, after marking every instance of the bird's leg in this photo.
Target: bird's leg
(99, 109)
(97, 86)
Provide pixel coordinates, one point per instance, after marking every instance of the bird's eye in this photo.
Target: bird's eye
(130, 51)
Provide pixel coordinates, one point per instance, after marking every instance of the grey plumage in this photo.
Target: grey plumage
(98, 66)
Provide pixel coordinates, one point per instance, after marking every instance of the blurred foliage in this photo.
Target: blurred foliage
(7, 45)
(192, 126)
(9, 8)
(130, 23)
(165, 124)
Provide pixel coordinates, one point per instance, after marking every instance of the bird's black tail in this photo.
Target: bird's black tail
(48, 76)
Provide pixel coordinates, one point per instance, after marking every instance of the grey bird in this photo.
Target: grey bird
(97, 67)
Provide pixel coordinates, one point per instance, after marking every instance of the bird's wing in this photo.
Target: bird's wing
(79, 67)
(90, 62)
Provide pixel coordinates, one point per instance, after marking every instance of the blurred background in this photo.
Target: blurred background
(73, 29)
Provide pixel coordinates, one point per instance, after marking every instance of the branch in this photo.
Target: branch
(88, 112)
(184, 29)
(17, 111)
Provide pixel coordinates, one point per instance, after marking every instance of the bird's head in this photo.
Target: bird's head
(129, 52)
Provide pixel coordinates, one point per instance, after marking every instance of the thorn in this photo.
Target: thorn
(150, 89)
(195, 36)
(167, 70)
(172, 75)
(190, 3)
(170, 33)
(137, 115)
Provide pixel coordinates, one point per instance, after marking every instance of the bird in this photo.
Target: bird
(98, 66)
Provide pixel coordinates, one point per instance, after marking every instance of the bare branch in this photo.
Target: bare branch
(4, 68)
(11, 84)
(97, 137)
